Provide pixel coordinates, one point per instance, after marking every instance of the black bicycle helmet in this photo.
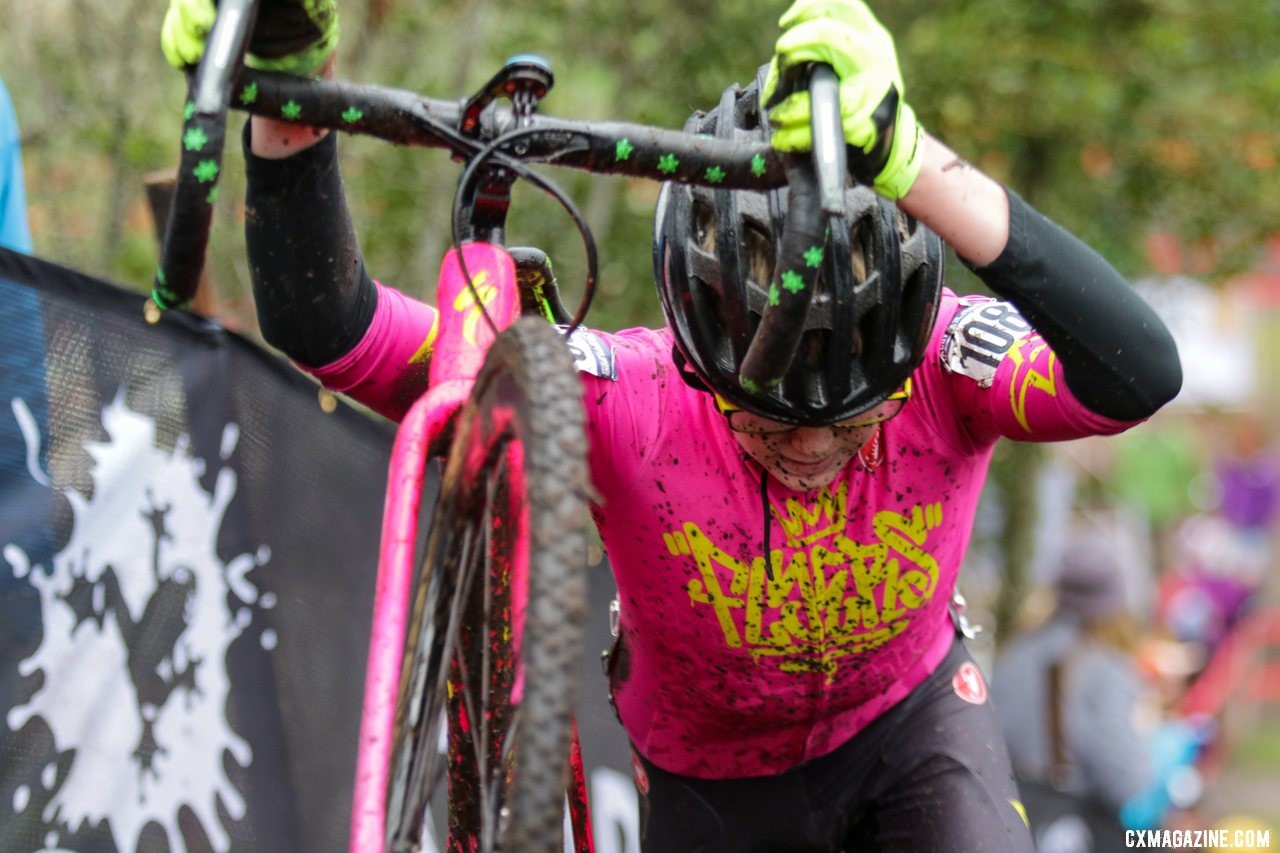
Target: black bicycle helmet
(868, 323)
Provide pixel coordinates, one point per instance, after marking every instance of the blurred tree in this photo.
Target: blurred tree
(1114, 117)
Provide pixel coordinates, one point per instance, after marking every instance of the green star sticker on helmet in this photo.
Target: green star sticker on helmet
(757, 165)
(351, 115)
(667, 164)
(249, 94)
(793, 281)
(194, 139)
(813, 256)
(291, 110)
(206, 171)
(715, 174)
(622, 151)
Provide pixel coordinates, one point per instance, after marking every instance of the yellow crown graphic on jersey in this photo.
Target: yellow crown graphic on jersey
(825, 517)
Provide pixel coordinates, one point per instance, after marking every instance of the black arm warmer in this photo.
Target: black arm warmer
(313, 296)
(1117, 356)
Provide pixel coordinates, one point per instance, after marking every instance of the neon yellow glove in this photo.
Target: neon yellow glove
(186, 26)
(877, 121)
(292, 36)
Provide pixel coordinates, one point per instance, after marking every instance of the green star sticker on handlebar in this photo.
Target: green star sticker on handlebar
(351, 115)
(715, 174)
(249, 94)
(206, 171)
(194, 139)
(793, 281)
(813, 256)
(622, 151)
(757, 165)
(774, 296)
(667, 164)
(291, 110)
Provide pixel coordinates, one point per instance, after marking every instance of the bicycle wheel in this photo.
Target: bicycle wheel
(498, 618)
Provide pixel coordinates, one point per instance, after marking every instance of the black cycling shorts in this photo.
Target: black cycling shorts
(931, 774)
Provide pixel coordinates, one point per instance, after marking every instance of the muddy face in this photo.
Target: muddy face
(806, 458)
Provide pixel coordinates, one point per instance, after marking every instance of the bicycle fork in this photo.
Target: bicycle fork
(470, 316)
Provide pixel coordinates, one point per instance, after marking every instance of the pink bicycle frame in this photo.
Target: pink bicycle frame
(464, 338)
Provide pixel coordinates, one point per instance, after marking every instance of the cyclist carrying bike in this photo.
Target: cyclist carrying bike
(788, 668)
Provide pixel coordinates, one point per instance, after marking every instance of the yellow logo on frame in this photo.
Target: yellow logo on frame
(472, 302)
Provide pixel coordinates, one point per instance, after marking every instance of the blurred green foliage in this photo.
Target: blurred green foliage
(1116, 118)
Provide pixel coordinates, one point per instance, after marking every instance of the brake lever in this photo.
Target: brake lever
(830, 157)
(224, 55)
(186, 234)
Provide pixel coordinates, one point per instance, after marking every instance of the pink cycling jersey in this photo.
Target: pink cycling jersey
(723, 672)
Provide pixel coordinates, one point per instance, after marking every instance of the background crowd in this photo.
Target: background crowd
(1140, 671)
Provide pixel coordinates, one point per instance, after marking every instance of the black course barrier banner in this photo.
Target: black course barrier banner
(188, 547)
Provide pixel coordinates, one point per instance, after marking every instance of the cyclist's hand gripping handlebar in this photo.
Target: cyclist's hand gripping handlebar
(879, 126)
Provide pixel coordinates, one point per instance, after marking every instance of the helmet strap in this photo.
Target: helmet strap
(686, 371)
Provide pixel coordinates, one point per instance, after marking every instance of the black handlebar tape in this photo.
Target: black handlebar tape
(606, 148)
(186, 235)
(799, 262)
(830, 157)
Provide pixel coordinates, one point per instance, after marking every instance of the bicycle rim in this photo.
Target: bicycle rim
(496, 629)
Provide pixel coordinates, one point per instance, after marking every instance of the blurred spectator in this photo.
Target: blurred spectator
(1248, 479)
(14, 231)
(1081, 723)
(1221, 556)
(1215, 573)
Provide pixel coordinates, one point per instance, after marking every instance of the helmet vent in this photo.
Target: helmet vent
(704, 226)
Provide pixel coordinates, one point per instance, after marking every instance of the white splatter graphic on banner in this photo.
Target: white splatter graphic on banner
(138, 615)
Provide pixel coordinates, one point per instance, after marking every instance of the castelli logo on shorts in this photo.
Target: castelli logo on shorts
(642, 778)
(969, 683)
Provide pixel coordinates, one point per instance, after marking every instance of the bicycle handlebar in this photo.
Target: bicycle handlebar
(610, 148)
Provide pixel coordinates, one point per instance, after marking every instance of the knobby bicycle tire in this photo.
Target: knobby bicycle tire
(516, 468)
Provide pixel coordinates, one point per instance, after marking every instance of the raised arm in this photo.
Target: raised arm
(313, 298)
(1118, 358)
(963, 206)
